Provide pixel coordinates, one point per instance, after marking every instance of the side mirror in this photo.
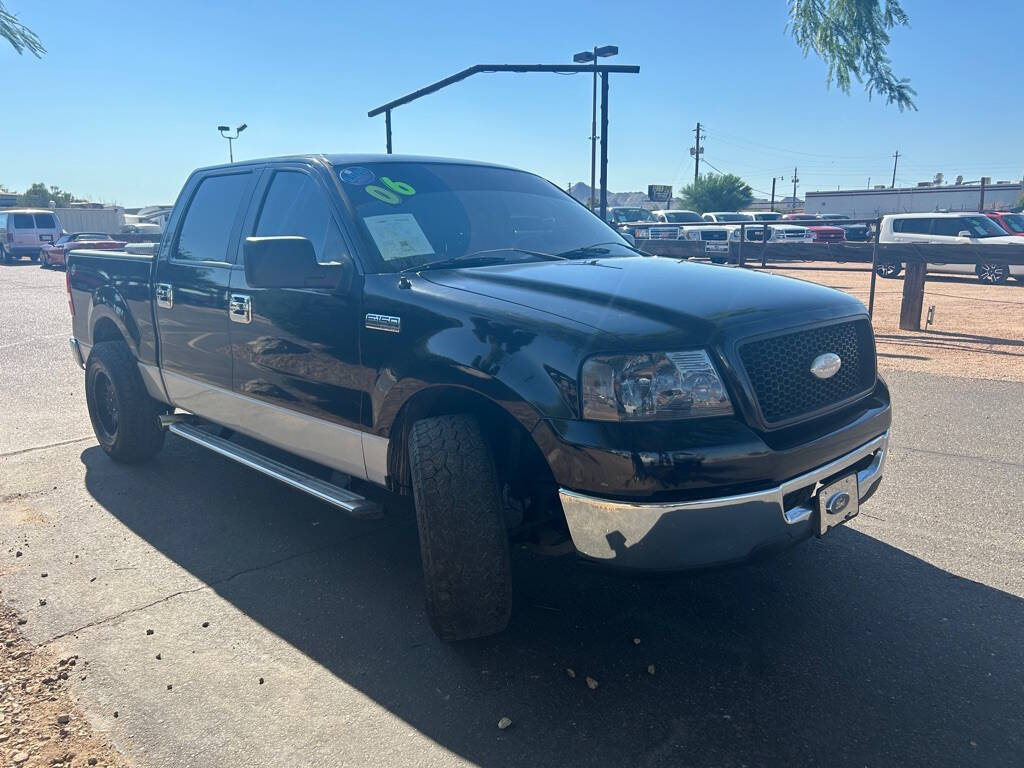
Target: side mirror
(963, 233)
(287, 262)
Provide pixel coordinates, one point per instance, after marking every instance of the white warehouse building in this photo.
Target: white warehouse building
(925, 198)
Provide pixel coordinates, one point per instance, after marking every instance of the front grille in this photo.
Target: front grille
(713, 234)
(779, 369)
(829, 236)
(791, 235)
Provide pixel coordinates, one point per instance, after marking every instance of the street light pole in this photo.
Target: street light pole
(224, 132)
(586, 57)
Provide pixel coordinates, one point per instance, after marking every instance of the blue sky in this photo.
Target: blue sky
(128, 98)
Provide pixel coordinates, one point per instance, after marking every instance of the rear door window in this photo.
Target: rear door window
(23, 221)
(206, 231)
(296, 205)
(45, 221)
(912, 226)
(949, 227)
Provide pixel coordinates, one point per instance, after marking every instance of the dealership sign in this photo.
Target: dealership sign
(659, 193)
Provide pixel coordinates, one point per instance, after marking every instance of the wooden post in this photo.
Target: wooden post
(913, 296)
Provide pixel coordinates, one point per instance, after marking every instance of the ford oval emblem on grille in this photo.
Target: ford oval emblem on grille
(826, 366)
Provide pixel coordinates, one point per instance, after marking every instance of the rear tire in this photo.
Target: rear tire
(5, 256)
(124, 417)
(463, 542)
(43, 263)
(37, 256)
(992, 274)
(888, 269)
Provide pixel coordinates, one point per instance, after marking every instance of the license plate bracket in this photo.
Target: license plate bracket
(838, 502)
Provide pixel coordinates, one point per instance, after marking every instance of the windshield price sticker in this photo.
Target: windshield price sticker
(391, 192)
(398, 236)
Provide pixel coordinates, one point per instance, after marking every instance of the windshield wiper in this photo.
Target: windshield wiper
(489, 256)
(597, 249)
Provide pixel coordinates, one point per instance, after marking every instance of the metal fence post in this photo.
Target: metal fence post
(764, 241)
(743, 235)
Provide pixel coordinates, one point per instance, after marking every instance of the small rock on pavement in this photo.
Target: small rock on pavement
(63, 719)
(16, 554)
(23, 621)
(149, 631)
(261, 681)
(43, 575)
(206, 624)
(93, 761)
(158, 657)
(570, 672)
(650, 669)
(636, 641)
(42, 601)
(20, 757)
(592, 683)
(504, 723)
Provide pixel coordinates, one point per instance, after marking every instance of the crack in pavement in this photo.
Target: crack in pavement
(949, 455)
(219, 582)
(44, 447)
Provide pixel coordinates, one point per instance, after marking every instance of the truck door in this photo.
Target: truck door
(191, 288)
(296, 350)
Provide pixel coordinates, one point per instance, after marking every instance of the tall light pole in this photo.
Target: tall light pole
(585, 57)
(224, 132)
(774, 179)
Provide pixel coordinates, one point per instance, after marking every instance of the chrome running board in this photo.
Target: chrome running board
(350, 502)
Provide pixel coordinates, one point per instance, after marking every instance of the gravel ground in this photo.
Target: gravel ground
(222, 619)
(978, 330)
(40, 723)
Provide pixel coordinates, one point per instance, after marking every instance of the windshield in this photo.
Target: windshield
(620, 215)
(767, 216)
(679, 217)
(415, 213)
(733, 217)
(1014, 222)
(983, 226)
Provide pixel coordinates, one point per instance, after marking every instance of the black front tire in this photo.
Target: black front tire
(124, 417)
(463, 542)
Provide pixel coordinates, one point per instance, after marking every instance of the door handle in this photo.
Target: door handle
(240, 308)
(164, 295)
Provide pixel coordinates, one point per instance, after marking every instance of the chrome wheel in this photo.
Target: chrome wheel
(993, 274)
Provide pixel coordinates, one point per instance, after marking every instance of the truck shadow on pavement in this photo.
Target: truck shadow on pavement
(840, 651)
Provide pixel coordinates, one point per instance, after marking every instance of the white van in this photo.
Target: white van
(24, 231)
(963, 228)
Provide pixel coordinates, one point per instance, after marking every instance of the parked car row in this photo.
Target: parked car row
(55, 254)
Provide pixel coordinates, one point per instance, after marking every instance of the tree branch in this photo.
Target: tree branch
(18, 35)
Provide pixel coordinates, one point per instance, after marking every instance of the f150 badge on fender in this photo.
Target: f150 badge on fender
(389, 323)
(826, 366)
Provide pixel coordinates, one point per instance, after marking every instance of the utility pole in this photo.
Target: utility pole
(773, 191)
(795, 182)
(896, 159)
(697, 151)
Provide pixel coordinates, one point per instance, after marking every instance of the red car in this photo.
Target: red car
(823, 233)
(1013, 223)
(55, 254)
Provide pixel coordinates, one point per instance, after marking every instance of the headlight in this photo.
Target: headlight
(653, 387)
(693, 234)
(642, 234)
(734, 235)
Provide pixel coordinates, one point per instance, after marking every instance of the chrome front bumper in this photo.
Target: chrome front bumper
(695, 534)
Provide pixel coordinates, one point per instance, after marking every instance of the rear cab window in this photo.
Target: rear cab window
(205, 233)
(45, 220)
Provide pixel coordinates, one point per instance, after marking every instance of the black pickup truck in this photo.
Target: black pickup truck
(471, 336)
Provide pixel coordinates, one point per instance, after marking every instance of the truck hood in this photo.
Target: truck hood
(644, 298)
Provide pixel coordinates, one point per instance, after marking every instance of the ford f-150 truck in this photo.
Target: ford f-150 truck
(472, 337)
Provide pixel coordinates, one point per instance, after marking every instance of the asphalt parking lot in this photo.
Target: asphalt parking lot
(898, 640)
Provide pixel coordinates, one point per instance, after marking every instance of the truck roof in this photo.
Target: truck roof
(347, 159)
